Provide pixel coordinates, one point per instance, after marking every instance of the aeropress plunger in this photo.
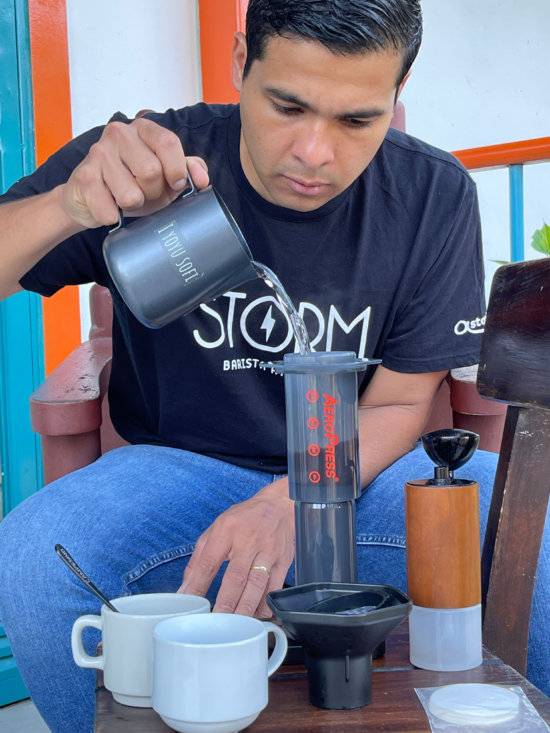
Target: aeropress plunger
(338, 622)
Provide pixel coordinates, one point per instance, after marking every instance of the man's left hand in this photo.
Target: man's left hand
(257, 537)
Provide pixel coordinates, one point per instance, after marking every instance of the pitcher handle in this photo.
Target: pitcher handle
(180, 196)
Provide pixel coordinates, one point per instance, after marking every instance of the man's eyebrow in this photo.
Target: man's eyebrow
(284, 96)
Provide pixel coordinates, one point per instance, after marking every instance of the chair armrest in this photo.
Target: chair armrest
(68, 402)
(465, 398)
(473, 412)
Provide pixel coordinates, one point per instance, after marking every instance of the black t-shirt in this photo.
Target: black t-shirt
(391, 268)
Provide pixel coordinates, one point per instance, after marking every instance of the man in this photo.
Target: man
(374, 234)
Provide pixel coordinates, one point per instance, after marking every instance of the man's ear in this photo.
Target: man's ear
(238, 60)
(401, 86)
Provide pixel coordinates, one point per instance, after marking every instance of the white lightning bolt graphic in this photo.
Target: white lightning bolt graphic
(268, 324)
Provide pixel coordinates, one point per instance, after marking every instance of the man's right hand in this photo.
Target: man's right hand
(140, 166)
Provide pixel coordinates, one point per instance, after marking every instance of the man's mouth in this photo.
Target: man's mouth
(307, 188)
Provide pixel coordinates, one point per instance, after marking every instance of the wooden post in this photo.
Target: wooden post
(514, 368)
(514, 533)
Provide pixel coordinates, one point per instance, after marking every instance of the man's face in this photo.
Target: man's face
(312, 120)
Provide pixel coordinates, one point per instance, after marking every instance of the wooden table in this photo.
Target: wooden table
(395, 707)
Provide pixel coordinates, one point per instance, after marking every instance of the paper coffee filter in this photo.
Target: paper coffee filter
(474, 704)
(480, 708)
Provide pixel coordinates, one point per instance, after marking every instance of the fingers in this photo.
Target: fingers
(169, 152)
(205, 563)
(92, 200)
(135, 177)
(243, 586)
(141, 166)
(198, 170)
(255, 589)
(276, 581)
(129, 192)
(164, 159)
(188, 572)
(132, 168)
(257, 536)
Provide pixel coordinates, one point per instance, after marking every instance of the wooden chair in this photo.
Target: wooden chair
(515, 369)
(70, 409)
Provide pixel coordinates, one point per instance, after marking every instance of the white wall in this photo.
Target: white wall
(481, 78)
(127, 55)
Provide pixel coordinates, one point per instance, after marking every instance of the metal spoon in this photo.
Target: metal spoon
(71, 564)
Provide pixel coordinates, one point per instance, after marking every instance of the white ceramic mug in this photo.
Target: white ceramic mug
(127, 659)
(210, 672)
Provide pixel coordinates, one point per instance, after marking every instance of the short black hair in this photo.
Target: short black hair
(343, 26)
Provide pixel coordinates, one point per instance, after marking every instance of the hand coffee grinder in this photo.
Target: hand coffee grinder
(443, 558)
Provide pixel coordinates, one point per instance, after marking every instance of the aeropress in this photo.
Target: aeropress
(338, 622)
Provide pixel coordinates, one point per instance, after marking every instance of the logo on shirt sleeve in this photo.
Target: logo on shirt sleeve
(475, 326)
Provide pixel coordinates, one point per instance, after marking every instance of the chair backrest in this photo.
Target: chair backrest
(101, 312)
(399, 120)
(515, 368)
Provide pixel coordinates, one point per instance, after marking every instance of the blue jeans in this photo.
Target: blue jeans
(131, 521)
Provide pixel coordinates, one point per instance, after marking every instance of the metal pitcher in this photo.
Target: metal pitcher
(166, 264)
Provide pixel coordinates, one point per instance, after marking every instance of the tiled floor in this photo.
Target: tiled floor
(22, 717)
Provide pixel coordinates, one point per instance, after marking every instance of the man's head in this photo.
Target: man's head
(319, 80)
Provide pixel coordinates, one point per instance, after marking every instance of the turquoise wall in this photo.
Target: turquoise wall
(21, 333)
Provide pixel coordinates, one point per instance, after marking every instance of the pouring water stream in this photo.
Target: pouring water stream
(296, 320)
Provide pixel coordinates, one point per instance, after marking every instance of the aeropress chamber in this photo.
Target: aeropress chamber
(323, 461)
(338, 622)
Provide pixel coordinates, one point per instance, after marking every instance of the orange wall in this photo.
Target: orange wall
(52, 116)
(219, 19)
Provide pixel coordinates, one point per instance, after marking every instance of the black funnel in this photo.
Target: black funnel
(339, 625)
(450, 448)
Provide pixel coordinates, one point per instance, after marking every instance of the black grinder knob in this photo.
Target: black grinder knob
(449, 449)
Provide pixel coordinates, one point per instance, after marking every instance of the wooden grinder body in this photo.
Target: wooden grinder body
(443, 544)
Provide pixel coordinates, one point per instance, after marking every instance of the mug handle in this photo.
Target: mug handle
(80, 657)
(182, 195)
(281, 646)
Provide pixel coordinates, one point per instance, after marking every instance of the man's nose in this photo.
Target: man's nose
(314, 146)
